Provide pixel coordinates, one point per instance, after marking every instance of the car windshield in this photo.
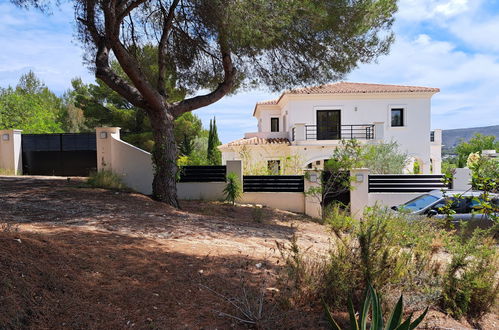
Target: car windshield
(419, 203)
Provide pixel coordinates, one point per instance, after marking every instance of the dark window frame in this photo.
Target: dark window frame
(271, 166)
(401, 123)
(323, 130)
(272, 127)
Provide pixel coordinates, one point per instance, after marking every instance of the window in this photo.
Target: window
(274, 167)
(274, 124)
(397, 117)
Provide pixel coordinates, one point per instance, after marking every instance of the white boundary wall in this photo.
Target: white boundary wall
(135, 167)
(290, 201)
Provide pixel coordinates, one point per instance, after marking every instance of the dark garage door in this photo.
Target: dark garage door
(59, 154)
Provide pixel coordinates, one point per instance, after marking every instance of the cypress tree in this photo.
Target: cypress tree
(214, 155)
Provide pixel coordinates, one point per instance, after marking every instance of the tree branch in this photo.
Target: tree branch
(103, 70)
(129, 64)
(162, 63)
(114, 81)
(124, 12)
(223, 88)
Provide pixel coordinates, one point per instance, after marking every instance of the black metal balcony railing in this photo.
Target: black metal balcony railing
(345, 132)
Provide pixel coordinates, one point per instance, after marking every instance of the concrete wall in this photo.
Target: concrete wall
(206, 191)
(436, 152)
(135, 167)
(10, 151)
(290, 201)
(313, 207)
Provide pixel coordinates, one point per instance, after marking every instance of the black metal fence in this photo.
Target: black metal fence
(405, 183)
(203, 174)
(59, 154)
(273, 183)
(344, 132)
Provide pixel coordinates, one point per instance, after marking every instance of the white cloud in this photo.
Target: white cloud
(44, 44)
(468, 82)
(477, 32)
(451, 8)
(420, 10)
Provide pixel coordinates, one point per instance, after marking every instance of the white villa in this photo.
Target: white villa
(300, 129)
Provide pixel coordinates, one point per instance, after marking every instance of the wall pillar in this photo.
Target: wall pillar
(379, 130)
(300, 133)
(461, 179)
(236, 167)
(105, 136)
(359, 194)
(10, 151)
(425, 167)
(313, 207)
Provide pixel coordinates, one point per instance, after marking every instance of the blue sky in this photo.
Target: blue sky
(450, 44)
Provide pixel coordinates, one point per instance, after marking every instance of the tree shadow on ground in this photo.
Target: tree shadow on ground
(58, 201)
(82, 279)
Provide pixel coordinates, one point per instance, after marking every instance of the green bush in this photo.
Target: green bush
(337, 218)
(233, 189)
(257, 214)
(107, 180)
(470, 284)
(383, 249)
(4, 171)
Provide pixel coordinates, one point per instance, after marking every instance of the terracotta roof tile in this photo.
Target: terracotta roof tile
(257, 141)
(348, 87)
(269, 102)
(351, 88)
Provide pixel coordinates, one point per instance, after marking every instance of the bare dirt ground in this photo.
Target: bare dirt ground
(78, 258)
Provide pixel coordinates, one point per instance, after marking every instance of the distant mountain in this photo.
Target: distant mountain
(452, 137)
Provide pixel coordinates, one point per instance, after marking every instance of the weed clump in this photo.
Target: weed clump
(107, 180)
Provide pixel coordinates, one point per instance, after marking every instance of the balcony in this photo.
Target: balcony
(344, 132)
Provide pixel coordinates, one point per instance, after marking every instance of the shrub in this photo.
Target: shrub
(4, 171)
(470, 284)
(302, 275)
(107, 180)
(233, 189)
(257, 214)
(383, 249)
(338, 218)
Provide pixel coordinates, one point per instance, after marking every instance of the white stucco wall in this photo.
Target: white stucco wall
(134, 165)
(207, 191)
(290, 201)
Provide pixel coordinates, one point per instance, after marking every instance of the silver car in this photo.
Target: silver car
(466, 205)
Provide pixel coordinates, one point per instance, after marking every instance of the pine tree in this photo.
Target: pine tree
(214, 155)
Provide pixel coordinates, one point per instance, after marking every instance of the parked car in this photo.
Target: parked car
(466, 204)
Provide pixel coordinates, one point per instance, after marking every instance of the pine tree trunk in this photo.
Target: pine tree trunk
(165, 159)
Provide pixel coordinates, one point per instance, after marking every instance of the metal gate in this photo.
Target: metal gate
(334, 190)
(59, 154)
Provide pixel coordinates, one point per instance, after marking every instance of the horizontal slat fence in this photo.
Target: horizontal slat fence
(273, 183)
(405, 183)
(203, 174)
